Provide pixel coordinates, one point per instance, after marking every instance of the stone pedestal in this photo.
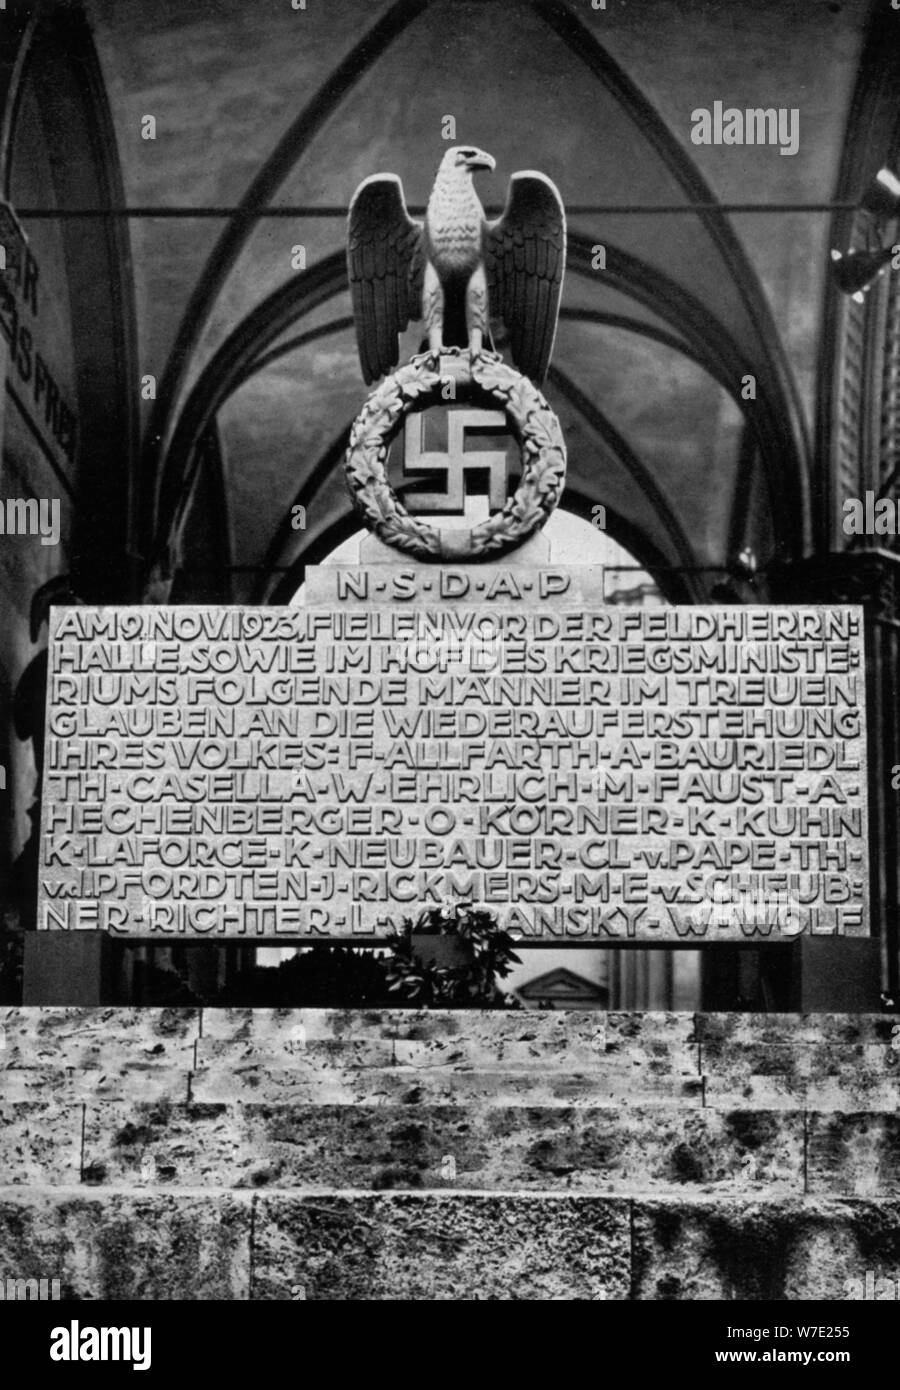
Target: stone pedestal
(812, 975)
(869, 577)
(397, 1154)
(836, 976)
(67, 968)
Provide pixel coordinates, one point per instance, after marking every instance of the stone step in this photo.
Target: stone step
(107, 1243)
(314, 1079)
(837, 1088)
(295, 1054)
(394, 1154)
(814, 1248)
(483, 1145)
(62, 1084)
(129, 1245)
(476, 1029)
(327, 1082)
(299, 1053)
(725, 1061)
(322, 1080)
(855, 1154)
(550, 1028)
(57, 1027)
(41, 1143)
(441, 1246)
(405, 1086)
(623, 1084)
(806, 1061)
(794, 1030)
(48, 1037)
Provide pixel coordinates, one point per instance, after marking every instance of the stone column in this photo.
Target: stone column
(871, 578)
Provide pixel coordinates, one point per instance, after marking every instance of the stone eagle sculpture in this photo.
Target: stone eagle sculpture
(457, 271)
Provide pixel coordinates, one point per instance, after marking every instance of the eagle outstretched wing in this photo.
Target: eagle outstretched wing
(385, 260)
(525, 259)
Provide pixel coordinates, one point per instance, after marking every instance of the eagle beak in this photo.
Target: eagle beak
(482, 161)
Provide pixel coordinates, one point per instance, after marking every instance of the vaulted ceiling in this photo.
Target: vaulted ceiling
(264, 104)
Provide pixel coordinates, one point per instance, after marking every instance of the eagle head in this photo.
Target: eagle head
(467, 157)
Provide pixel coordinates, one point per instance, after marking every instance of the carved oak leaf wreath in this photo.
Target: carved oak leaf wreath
(418, 384)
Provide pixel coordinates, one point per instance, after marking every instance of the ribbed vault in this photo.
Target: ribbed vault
(652, 350)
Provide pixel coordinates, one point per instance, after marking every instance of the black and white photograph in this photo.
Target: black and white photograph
(449, 663)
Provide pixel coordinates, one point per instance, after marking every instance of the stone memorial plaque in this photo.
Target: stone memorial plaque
(419, 732)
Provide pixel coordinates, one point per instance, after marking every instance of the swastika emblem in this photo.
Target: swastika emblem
(457, 462)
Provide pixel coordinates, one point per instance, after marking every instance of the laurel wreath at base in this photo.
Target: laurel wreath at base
(419, 384)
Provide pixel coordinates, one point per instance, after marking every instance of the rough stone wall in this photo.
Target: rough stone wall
(237, 1154)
